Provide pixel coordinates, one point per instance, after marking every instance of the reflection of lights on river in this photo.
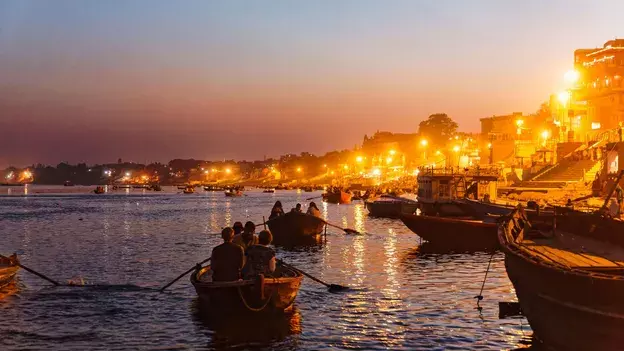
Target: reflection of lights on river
(228, 213)
(324, 210)
(359, 218)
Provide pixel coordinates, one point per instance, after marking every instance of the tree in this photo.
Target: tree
(438, 128)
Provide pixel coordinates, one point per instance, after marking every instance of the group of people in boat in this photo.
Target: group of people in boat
(243, 254)
(278, 210)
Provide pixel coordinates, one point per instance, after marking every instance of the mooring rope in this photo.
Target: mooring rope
(253, 309)
(480, 296)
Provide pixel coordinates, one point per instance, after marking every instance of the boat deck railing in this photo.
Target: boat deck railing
(478, 171)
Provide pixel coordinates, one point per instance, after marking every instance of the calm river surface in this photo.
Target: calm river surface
(129, 243)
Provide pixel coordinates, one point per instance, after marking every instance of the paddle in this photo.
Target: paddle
(183, 274)
(346, 230)
(34, 272)
(332, 287)
(312, 198)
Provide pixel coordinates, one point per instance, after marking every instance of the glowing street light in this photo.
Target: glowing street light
(27, 174)
(206, 171)
(346, 168)
(456, 148)
(299, 169)
(424, 142)
(519, 122)
(572, 76)
(359, 159)
(127, 174)
(545, 134)
(228, 171)
(325, 166)
(392, 152)
(376, 171)
(438, 152)
(389, 160)
(489, 145)
(563, 97)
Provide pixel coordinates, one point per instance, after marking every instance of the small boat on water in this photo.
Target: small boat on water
(155, 187)
(268, 191)
(189, 190)
(390, 207)
(453, 233)
(270, 295)
(296, 229)
(99, 190)
(182, 187)
(141, 186)
(233, 193)
(8, 270)
(307, 189)
(337, 197)
(68, 183)
(569, 278)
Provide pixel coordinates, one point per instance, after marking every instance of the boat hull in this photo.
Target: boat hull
(244, 296)
(296, 229)
(567, 309)
(341, 198)
(453, 233)
(390, 209)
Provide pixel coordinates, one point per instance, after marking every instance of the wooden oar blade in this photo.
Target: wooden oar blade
(337, 288)
(351, 231)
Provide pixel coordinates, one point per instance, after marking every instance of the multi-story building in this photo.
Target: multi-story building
(599, 87)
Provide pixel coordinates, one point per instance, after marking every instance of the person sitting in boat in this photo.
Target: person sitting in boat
(227, 258)
(238, 228)
(260, 257)
(247, 238)
(313, 210)
(277, 210)
(297, 209)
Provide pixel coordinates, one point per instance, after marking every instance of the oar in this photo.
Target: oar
(183, 274)
(312, 198)
(332, 287)
(346, 230)
(34, 272)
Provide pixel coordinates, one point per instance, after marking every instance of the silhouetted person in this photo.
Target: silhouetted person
(297, 209)
(227, 258)
(260, 257)
(277, 210)
(238, 228)
(247, 238)
(313, 210)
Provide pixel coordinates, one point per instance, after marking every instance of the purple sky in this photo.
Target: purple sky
(155, 80)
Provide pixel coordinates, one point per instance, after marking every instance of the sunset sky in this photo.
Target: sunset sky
(150, 80)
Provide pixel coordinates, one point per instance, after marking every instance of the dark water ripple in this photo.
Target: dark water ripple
(128, 244)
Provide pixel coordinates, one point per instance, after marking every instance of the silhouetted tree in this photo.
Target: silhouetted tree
(438, 128)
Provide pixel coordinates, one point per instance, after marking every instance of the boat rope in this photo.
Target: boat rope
(480, 296)
(254, 309)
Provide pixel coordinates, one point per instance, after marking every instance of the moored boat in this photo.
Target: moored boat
(338, 197)
(233, 193)
(570, 280)
(454, 233)
(189, 190)
(268, 191)
(295, 228)
(390, 207)
(99, 190)
(8, 269)
(252, 295)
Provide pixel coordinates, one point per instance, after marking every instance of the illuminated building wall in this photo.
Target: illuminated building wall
(600, 87)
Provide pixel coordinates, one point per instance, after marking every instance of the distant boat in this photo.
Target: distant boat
(268, 191)
(340, 197)
(99, 190)
(188, 190)
(454, 234)
(11, 184)
(155, 187)
(68, 183)
(296, 228)
(182, 187)
(390, 207)
(233, 193)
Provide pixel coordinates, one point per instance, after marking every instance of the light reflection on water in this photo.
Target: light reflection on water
(402, 299)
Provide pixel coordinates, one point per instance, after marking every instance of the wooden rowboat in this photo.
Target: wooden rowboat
(296, 228)
(8, 270)
(569, 282)
(453, 233)
(232, 193)
(337, 198)
(271, 295)
(390, 207)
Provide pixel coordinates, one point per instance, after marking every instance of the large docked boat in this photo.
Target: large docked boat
(439, 188)
(569, 278)
(296, 229)
(252, 295)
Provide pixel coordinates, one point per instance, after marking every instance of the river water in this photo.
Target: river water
(125, 245)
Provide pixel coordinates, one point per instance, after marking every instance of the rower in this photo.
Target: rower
(247, 237)
(227, 258)
(313, 210)
(260, 257)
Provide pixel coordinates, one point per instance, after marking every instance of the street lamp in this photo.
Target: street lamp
(572, 76)
(392, 152)
(424, 144)
(359, 159)
(564, 97)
